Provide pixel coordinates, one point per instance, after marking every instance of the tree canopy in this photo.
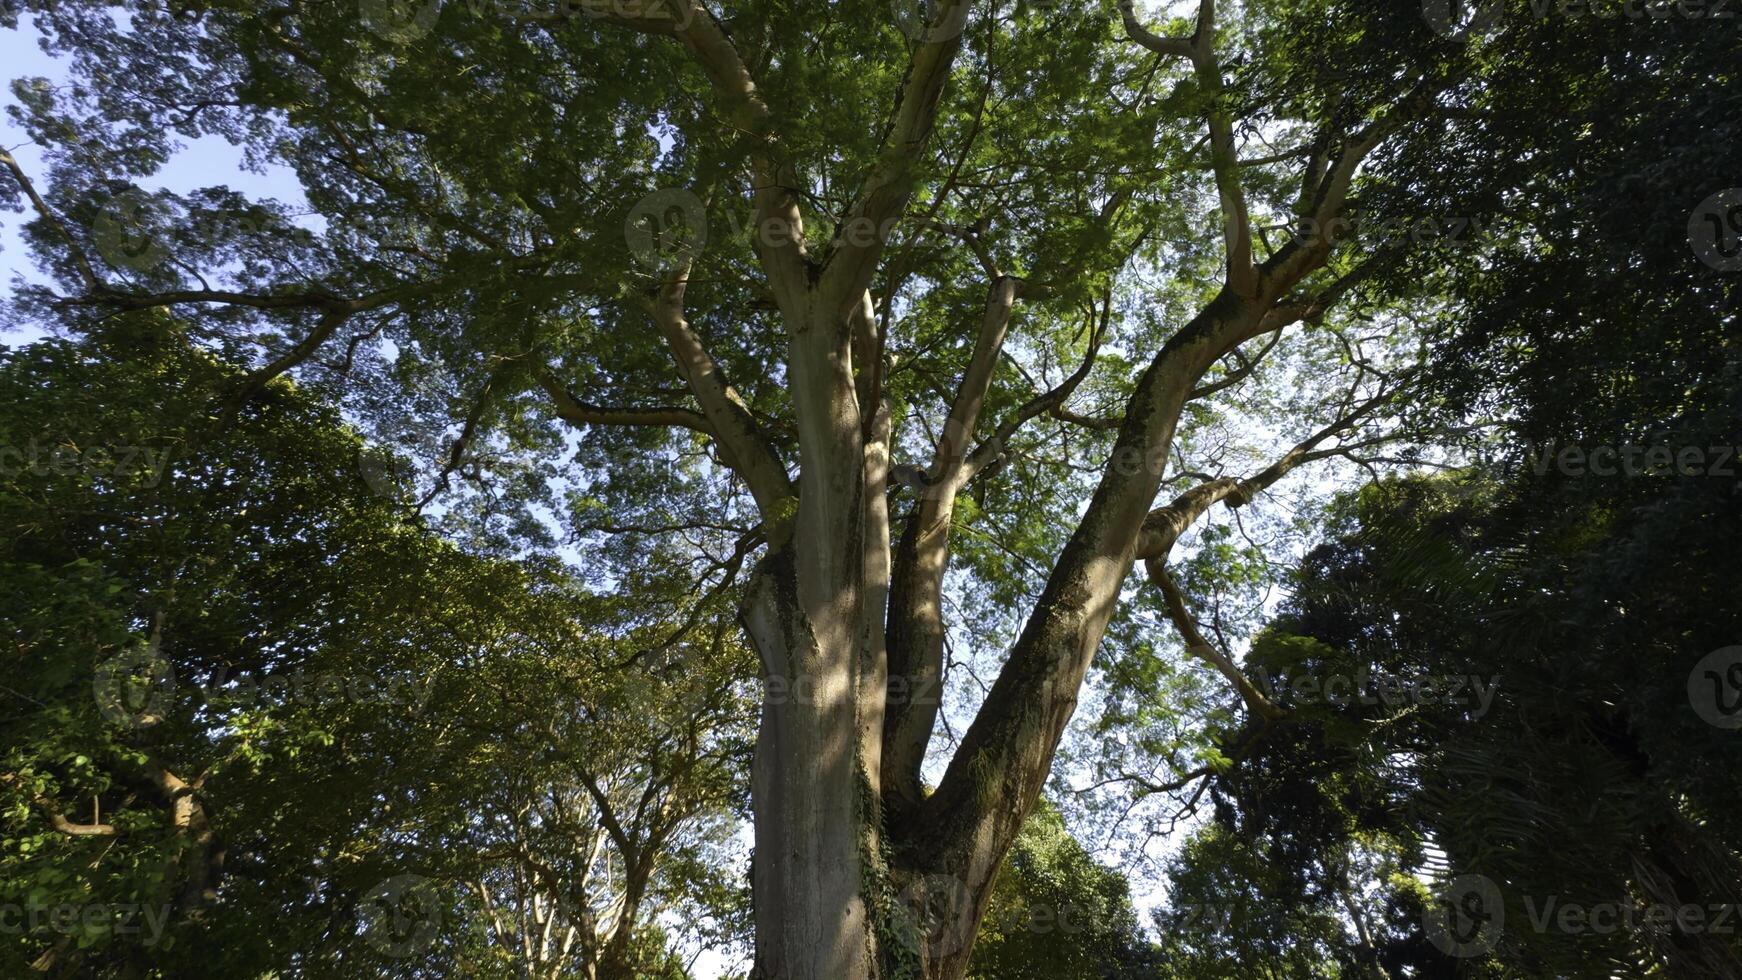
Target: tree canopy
(661, 492)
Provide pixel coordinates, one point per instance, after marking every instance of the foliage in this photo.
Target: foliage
(530, 259)
(1055, 912)
(342, 698)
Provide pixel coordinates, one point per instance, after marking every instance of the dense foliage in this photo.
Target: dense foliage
(1576, 585)
(658, 495)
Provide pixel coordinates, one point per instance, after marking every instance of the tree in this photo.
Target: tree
(152, 542)
(604, 803)
(935, 203)
(1057, 913)
(1231, 909)
(243, 687)
(1579, 569)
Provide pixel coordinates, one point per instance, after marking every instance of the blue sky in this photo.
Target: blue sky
(201, 163)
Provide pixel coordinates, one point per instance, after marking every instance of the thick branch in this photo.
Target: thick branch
(582, 413)
(1007, 752)
(1202, 648)
(1163, 526)
(742, 443)
(1301, 255)
(1172, 47)
(1200, 50)
(889, 186)
(61, 824)
(916, 628)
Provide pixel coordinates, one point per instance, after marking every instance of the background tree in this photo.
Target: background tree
(1580, 567)
(1056, 912)
(243, 687)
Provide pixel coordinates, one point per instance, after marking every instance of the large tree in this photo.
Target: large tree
(995, 273)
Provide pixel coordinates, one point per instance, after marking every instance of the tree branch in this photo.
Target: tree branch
(80, 262)
(1202, 648)
(582, 413)
(888, 188)
(915, 632)
(742, 443)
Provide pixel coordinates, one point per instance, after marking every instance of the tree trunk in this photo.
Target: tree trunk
(851, 879)
(836, 897)
(813, 804)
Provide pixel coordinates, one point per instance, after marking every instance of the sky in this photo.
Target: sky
(23, 59)
(206, 162)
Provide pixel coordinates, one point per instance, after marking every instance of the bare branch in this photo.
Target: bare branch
(1247, 366)
(1199, 647)
(468, 430)
(1052, 401)
(954, 441)
(83, 264)
(582, 413)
